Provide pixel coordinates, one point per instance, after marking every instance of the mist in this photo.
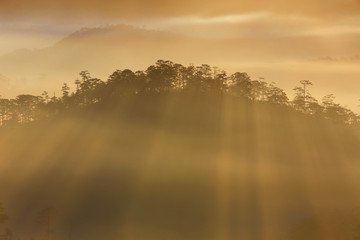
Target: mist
(216, 120)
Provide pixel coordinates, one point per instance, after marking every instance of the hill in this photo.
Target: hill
(192, 163)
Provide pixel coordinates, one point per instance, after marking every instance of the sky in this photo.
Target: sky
(320, 35)
(33, 24)
(169, 8)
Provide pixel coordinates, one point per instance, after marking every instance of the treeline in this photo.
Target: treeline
(166, 77)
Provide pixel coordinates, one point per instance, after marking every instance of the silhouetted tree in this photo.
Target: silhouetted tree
(77, 83)
(193, 79)
(161, 77)
(218, 83)
(303, 99)
(305, 83)
(181, 79)
(6, 110)
(240, 85)
(26, 107)
(45, 97)
(259, 90)
(89, 91)
(333, 110)
(122, 83)
(276, 95)
(65, 90)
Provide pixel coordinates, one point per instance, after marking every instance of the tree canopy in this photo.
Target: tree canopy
(167, 77)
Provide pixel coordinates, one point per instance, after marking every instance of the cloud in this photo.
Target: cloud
(255, 25)
(170, 8)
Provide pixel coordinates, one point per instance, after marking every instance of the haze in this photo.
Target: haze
(140, 135)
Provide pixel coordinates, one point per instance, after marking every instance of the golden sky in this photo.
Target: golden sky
(281, 40)
(32, 24)
(170, 8)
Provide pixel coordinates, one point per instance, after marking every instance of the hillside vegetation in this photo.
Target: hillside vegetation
(179, 152)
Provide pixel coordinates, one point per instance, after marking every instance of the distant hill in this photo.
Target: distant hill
(101, 50)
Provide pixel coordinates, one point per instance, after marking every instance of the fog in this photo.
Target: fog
(196, 168)
(201, 120)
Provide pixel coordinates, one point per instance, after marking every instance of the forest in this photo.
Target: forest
(166, 78)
